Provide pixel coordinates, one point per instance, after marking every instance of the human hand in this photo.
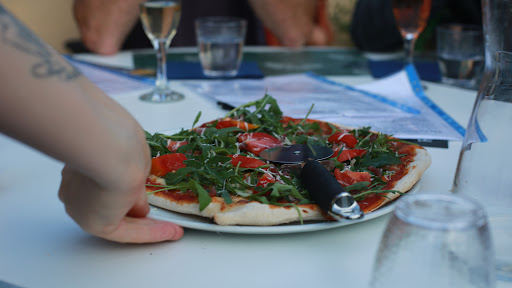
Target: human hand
(116, 214)
(104, 25)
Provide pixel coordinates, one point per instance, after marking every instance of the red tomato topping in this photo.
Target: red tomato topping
(336, 151)
(246, 162)
(174, 145)
(228, 122)
(266, 179)
(167, 163)
(257, 142)
(348, 177)
(350, 154)
(346, 138)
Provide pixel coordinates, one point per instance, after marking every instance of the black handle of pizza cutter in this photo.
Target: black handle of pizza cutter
(328, 193)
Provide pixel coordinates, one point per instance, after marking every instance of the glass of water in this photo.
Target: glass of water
(460, 54)
(221, 42)
(435, 240)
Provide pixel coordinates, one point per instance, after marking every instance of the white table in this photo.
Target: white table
(40, 246)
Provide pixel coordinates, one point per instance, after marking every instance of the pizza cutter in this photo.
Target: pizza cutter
(330, 196)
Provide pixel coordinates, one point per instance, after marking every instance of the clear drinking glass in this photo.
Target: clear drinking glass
(221, 42)
(411, 18)
(460, 54)
(160, 21)
(435, 240)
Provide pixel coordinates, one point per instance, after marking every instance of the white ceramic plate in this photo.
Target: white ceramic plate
(205, 224)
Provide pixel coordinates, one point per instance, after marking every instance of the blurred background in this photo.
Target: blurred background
(52, 20)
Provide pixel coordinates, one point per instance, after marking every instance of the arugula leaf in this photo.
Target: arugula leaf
(197, 119)
(204, 197)
(357, 186)
(173, 178)
(225, 195)
(379, 160)
(266, 113)
(157, 143)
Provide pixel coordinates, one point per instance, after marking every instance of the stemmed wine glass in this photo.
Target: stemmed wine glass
(160, 21)
(411, 18)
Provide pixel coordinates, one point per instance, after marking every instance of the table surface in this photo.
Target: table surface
(40, 246)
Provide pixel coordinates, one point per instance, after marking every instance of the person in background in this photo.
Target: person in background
(373, 27)
(107, 27)
(47, 104)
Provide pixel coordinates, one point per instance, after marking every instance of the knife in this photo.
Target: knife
(321, 184)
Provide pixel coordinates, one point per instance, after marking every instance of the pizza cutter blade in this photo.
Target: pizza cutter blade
(330, 196)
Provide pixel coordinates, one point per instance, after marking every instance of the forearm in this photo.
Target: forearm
(42, 96)
(104, 25)
(47, 104)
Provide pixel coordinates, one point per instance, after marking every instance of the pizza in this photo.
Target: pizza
(214, 170)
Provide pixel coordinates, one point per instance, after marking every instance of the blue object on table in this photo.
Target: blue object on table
(427, 70)
(193, 70)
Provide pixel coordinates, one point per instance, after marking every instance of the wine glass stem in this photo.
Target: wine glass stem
(161, 68)
(409, 48)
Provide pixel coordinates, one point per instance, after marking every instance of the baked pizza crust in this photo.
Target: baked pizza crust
(240, 212)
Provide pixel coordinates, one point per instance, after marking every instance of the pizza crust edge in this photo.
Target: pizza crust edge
(241, 213)
(422, 161)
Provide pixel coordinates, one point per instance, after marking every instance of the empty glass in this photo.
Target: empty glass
(435, 240)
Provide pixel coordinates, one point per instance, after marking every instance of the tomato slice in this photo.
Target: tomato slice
(174, 145)
(258, 141)
(266, 179)
(167, 163)
(340, 137)
(348, 177)
(228, 122)
(350, 154)
(246, 162)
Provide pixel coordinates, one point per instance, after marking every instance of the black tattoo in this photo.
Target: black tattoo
(49, 64)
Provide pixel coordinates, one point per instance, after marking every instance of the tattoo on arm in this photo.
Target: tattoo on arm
(48, 63)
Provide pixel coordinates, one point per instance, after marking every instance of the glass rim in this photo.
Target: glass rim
(460, 28)
(440, 211)
(149, 3)
(224, 20)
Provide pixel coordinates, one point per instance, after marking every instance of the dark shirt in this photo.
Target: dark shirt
(190, 11)
(373, 27)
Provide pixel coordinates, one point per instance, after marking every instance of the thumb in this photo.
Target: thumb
(141, 207)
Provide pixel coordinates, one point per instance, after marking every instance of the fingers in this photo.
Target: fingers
(318, 37)
(110, 214)
(144, 230)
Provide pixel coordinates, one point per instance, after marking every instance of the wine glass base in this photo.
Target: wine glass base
(162, 96)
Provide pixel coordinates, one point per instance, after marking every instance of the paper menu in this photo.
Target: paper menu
(112, 82)
(394, 105)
